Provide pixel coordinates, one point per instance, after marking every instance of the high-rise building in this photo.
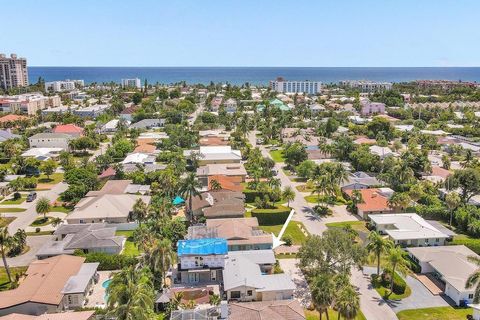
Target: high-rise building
(64, 85)
(131, 83)
(309, 87)
(367, 86)
(13, 72)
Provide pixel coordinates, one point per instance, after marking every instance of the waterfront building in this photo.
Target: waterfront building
(131, 83)
(13, 72)
(309, 87)
(367, 86)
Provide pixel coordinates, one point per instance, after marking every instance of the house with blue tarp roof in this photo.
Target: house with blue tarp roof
(201, 261)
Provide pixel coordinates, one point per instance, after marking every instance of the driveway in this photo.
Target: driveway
(371, 304)
(302, 291)
(24, 219)
(35, 243)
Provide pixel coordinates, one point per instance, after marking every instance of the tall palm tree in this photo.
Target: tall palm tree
(397, 261)
(288, 194)
(43, 206)
(323, 293)
(5, 243)
(159, 256)
(189, 189)
(348, 302)
(140, 210)
(468, 158)
(452, 200)
(131, 295)
(474, 279)
(378, 245)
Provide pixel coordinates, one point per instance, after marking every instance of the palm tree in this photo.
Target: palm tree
(140, 210)
(288, 194)
(468, 158)
(131, 295)
(189, 189)
(378, 245)
(5, 243)
(43, 206)
(56, 221)
(397, 261)
(452, 200)
(215, 185)
(159, 256)
(399, 201)
(323, 293)
(322, 185)
(348, 302)
(214, 299)
(474, 279)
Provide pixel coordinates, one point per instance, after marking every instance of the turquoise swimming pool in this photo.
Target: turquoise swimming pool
(105, 285)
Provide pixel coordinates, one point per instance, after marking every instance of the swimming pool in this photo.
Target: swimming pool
(311, 148)
(105, 285)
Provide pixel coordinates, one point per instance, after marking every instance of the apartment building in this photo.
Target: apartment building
(13, 71)
(29, 103)
(131, 83)
(366, 86)
(64, 85)
(309, 87)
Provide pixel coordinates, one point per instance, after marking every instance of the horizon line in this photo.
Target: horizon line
(339, 67)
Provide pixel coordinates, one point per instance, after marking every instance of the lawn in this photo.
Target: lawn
(61, 209)
(18, 201)
(440, 313)
(313, 198)
(304, 188)
(385, 293)
(5, 221)
(54, 178)
(4, 284)
(333, 315)
(471, 243)
(277, 155)
(359, 226)
(41, 233)
(5, 210)
(293, 229)
(130, 248)
(41, 221)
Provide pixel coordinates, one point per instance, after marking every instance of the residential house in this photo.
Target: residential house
(216, 103)
(200, 261)
(235, 171)
(408, 229)
(42, 153)
(247, 276)
(371, 108)
(450, 266)
(147, 124)
(127, 113)
(316, 108)
(216, 204)
(438, 174)
(50, 140)
(7, 135)
(110, 126)
(89, 238)
(109, 208)
(373, 202)
(359, 180)
(215, 154)
(91, 111)
(230, 105)
(241, 233)
(50, 286)
(78, 315)
(70, 129)
(259, 310)
(382, 152)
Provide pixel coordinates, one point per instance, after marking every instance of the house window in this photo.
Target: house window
(235, 295)
(249, 292)
(470, 296)
(437, 240)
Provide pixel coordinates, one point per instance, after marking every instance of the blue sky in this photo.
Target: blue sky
(330, 33)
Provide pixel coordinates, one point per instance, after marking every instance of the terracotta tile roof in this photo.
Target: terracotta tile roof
(146, 145)
(82, 315)
(213, 141)
(12, 118)
(372, 200)
(440, 172)
(260, 310)
(226, 182)
(44, 281)
(129, 110)
(107, 173)
(365, 140)
(67, 128)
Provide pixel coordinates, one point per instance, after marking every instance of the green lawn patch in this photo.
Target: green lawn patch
(385, 293)
(333, 315)
(293, 229)
(54, 178)
(40, 233)
(359, 226)
(471, 243)
(313, 198)
(271, 217)
(18, 201)
(5, 210)
(130, 249)
(4, 284)
(277, 155)
(304, 188)
(5, 221)
(61, 209)
(439, 313)
(41, 221)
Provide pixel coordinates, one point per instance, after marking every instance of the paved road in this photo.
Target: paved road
(101, 150)
(302, 292)
(194, 115)
(24, 219)
(35, 243)
(371, 304)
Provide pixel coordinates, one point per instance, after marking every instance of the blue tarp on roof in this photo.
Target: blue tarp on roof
(202, 246)
(178, 200)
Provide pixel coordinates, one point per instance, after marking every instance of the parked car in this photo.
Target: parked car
(31, 196)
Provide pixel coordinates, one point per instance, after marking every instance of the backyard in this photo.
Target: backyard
(130, 248)
(277, 155)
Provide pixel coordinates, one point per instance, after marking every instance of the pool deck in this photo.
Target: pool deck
(97, 298)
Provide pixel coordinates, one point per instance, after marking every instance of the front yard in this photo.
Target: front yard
(5, 221)
(11, 201)
(471, 243)
(294, 230)
(277, 155)
(333, 315)
(358, 226)
(4, 284)
(440, 313)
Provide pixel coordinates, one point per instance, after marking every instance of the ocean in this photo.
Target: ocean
(252, 75)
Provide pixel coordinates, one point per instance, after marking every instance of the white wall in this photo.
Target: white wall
(214, 261)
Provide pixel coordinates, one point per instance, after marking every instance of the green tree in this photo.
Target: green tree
(397, 261)
(48, 167)
(323, 293)
(43, 207)
(131, 295)
(5, 244)
(348, 302)
(288, 194)
(452, 200)
(294, 154)
(474, 279)
(140, 210)
(189, 189)
(468, 180)
(378, 245)
(159, 257)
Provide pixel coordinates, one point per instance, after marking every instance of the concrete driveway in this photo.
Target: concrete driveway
(302, 291)
(35, 243)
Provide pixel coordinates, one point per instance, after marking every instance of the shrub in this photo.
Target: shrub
(322, 210)
(399, 285)
(108, 261)
(414, 266)
(17, 196)
(37, 229)
(271, 217)
(287, 239)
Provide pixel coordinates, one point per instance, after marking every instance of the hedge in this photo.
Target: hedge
(108, 261)
(271, 217)
(399, 285)
(250, 195)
